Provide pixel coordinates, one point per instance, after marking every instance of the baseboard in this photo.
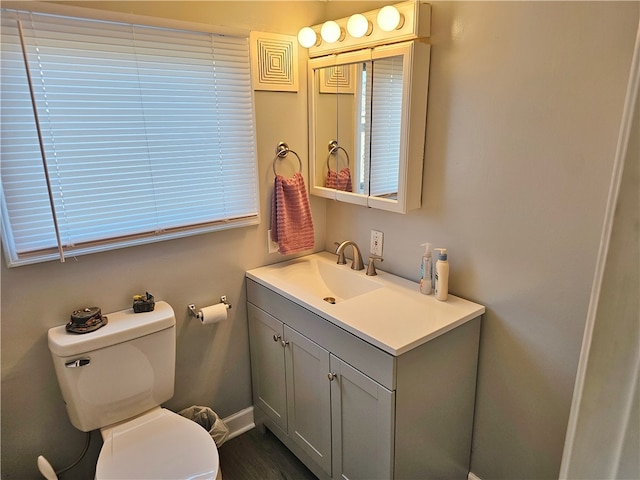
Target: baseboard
(240, 422)
(471, 476)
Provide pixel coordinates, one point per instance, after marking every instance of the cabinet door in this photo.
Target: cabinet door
(363, 414)
(268, 365)
(308, 397)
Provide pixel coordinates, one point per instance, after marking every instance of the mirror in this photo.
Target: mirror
(337, 122)
(367, 125)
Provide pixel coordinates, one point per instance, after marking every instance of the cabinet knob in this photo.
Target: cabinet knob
(332, 375)
(276, 337)
(284, 342)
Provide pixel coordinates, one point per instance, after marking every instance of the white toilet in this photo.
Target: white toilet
(115, 379)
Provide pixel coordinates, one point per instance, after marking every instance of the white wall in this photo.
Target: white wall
(524, 108)
(525, 103)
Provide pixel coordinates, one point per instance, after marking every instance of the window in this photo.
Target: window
(146, 134)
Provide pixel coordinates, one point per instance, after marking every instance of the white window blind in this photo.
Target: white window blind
(148, 134)
(386, 125)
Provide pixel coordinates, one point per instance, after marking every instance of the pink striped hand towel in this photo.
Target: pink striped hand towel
(339, 180)
(291, 222)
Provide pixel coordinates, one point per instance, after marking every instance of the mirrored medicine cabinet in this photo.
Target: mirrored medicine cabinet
(367, 121)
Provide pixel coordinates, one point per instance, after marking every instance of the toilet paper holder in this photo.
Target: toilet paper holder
(195, 313)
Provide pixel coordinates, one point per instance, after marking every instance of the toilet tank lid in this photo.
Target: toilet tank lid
(122, 326)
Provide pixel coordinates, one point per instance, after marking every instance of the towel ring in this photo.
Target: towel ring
(333, 150)
(282, 150)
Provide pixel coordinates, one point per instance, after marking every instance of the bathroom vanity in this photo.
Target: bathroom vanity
(362, 377)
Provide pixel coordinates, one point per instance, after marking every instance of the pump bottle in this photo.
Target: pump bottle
(426, 270)
(442, 275)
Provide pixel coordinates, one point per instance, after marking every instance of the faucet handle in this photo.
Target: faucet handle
(371, 268)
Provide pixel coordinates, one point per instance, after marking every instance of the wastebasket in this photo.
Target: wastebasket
(209, 420)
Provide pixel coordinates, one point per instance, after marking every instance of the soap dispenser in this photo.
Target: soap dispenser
(426, 270)
(442, 275)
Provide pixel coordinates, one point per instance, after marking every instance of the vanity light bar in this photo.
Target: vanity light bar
(390, 24)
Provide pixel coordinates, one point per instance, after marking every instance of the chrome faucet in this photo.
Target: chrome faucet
(357, 263)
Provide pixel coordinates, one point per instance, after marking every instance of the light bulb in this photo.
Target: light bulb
(330, 32)
(389, 18)
(358, 26)
(307, 37)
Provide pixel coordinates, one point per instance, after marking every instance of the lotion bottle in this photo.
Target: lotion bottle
(442, 275)
(426, 270)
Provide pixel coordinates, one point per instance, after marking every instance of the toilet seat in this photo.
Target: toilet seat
(159, 444)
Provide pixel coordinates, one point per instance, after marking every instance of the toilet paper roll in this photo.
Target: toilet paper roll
(213, 313)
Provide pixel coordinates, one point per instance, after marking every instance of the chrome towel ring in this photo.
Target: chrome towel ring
(282, 150)
(333, 148)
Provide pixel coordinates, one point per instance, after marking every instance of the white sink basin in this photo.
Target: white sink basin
(331, 282)
(385, 310)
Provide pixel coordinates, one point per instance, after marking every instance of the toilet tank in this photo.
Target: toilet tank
(118, 371)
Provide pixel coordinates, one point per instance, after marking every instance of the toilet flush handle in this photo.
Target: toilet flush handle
(78, 362)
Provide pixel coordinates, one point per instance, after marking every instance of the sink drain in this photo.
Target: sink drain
(330, 300)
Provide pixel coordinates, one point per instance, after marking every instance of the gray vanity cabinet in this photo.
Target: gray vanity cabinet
(290, 384)
(340, 419)
(268, 366)
(349, 410)
(362, 423)
(308, 397)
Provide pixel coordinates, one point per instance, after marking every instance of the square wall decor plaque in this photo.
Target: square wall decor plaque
(274, 62)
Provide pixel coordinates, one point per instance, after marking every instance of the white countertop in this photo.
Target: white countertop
(394, 318)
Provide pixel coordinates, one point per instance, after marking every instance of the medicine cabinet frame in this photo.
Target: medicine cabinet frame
(415, 56)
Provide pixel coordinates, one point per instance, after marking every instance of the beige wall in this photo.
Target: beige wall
(213, 361)
(524, 108)
(525, 103)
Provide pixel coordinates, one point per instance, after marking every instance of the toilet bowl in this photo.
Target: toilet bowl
(115, 379)
(159, 444)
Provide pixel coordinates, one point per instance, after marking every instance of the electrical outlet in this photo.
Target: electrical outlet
(272, 247)
(376, 243)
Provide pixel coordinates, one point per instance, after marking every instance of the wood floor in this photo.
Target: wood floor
(260, 456)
